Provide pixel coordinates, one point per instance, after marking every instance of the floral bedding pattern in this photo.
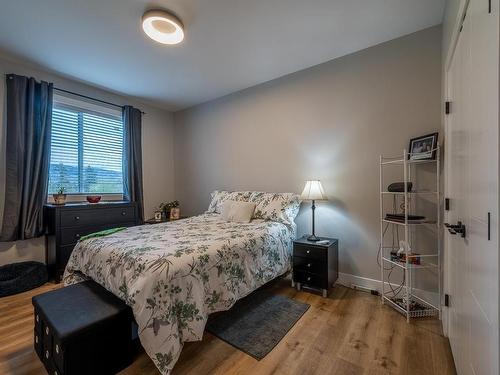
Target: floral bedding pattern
(218, 197)
(174, 274)
(280, 207)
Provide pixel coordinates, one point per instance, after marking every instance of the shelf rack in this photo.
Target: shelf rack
(403, 297)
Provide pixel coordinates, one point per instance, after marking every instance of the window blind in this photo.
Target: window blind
(86, 151)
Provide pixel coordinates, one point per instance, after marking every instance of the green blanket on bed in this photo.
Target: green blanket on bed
(102, 233)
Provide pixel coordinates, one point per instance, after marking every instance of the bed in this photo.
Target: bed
(173, 275)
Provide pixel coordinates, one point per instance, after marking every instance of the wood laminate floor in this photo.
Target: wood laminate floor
(349, 332)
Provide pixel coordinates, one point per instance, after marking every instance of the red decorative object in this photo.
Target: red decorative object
(93, 198)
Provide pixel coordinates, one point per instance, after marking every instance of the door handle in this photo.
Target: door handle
(457, 228)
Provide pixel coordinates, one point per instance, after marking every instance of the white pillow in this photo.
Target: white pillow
(238, 212)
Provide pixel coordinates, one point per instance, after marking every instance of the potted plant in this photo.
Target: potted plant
(60, 196)
(165, 207)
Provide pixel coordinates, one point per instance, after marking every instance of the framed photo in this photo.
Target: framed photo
(175, 213)
(158, 216)
(423, 148)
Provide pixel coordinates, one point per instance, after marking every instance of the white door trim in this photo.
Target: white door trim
(446, 122)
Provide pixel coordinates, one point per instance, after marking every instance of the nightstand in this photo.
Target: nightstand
(315, 265)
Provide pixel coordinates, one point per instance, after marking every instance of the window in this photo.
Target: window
(86, 153)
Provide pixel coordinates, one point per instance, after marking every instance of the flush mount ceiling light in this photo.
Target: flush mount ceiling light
(162, 26)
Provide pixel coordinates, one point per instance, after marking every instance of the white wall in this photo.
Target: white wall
(329, 122)
(157, 150)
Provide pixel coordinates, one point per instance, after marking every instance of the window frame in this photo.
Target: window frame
(68, 102)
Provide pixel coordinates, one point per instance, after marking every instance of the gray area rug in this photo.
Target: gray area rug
(257, 323)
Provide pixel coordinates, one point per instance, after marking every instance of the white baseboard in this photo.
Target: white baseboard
(353, 281)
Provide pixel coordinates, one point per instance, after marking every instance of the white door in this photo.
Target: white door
(472, 186)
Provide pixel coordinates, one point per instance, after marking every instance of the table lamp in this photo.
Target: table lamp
(313, 191)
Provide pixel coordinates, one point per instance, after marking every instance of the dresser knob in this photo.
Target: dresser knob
(77, 235)
(309, 265)
(123, 213)
(308, 251)
(47, 330)
(308, 279)
(57, 349)
(46, 354)
(77, 217)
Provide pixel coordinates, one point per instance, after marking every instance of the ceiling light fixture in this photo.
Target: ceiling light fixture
(162, 26)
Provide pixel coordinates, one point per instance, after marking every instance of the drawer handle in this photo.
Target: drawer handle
(36, 339)
(77, 217)
(308, 279)
(308, 251)
(123, 213)
(37, 318)
(46, 354)
(309, 265)
(57, 349)
(47, 330)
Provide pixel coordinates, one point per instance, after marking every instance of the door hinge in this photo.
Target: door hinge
(447, 300)
(446, 204)
(489, 226)
(447, 107)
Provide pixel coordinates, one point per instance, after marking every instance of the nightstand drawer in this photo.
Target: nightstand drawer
(309, 265)
(310, 279)
(310, 252)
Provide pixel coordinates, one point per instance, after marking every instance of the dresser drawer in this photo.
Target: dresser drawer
(310, 279)
(310, 252)
(309, 265)
(98, 216)
(72, 235)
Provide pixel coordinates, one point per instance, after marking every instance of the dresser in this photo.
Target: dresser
(315, 265)
(65, 224)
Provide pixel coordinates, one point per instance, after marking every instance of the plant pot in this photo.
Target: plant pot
(166, 214)
(59, 198)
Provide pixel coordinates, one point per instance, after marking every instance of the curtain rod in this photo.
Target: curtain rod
(91, 98)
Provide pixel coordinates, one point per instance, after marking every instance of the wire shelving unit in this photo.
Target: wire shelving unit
(403, 296)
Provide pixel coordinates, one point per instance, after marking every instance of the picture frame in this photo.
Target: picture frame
(158, 215)
(423, 148)
(175, 213)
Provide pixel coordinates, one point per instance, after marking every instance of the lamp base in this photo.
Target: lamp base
(313, 238)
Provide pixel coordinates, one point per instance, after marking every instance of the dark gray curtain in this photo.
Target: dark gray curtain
(29, 117)
(132, 157)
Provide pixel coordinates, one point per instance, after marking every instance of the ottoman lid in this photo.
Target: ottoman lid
(74, 309)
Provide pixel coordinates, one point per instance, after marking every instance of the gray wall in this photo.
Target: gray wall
(328, 122)
(158, 161)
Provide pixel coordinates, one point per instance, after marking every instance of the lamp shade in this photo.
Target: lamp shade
(313, 191)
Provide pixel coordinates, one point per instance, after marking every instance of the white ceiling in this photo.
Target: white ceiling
(230, 44)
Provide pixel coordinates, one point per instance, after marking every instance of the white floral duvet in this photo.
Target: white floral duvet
(174, 274)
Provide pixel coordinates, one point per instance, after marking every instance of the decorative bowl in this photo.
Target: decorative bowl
(93, 198)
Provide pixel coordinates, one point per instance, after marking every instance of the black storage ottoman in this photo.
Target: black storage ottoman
(82, 329)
